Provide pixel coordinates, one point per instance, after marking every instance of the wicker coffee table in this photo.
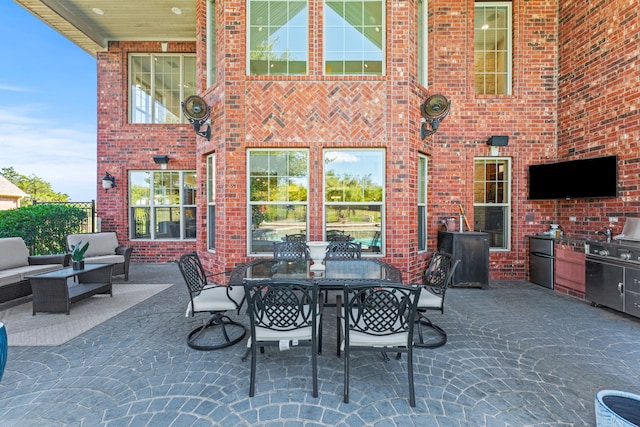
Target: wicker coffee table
(55, 291)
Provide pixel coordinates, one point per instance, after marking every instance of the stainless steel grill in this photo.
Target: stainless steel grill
(613, 270)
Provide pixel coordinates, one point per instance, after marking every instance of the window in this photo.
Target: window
(211, 42)
(354, 37)
(423, 49)
(158, 84)
(211, 202)
(278, 187)
(422, 202)
(492, 63)
(277, 37)
(354, 196)
(162, 205)
(492, 201)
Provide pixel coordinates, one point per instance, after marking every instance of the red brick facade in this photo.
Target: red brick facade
(567, 70)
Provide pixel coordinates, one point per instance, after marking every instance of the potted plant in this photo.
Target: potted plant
(77, 255)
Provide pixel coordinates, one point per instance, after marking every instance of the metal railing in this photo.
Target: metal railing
(89, 224)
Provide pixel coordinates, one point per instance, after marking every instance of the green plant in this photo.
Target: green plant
(77, 251)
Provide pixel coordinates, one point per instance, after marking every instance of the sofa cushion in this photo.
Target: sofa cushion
(99, 243)
(9, 277)
(14, 253)
(31, 270)
(106, 259)
(17, 274)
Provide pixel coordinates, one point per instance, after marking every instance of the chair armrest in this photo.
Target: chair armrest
(124, 250)
(62, 259)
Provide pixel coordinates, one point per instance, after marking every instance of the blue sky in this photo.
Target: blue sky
(47, 105)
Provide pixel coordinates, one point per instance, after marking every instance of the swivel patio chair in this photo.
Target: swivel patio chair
(377, 316)
(283, 314)
(214, 299)
(344, 250)
(435, 281)
(290, 251)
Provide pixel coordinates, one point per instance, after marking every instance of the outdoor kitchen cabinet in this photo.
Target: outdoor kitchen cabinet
(472, 249)
(570, 269)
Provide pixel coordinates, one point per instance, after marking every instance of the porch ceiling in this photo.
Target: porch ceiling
(92, 24)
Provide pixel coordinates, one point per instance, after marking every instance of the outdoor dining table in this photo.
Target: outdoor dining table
(334, 276)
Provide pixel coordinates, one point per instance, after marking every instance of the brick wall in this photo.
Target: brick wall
(599, 93)
(319, 111)
(123, 147)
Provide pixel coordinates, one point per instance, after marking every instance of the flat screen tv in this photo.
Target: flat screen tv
(574, 179)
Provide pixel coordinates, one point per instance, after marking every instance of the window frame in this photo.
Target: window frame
(153, 207)
(211, 202)
(325, 50)
(423, 42)
(423, 224)
(275, 203)
(271, 62)
(150, 110)
(211, 43)
(509, 48)
(506, 206)
(379, 235)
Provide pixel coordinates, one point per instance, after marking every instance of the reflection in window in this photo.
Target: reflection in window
(211, 43)
(423, 30)
(278, 187)
(354, 37)
(491, 200)
(162, 204)
(211, 202)
(354, 196)
(158, 83)
(277, 37)
(492, 62)
(422, 202)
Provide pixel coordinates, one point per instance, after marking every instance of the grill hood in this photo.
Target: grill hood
(630, 231)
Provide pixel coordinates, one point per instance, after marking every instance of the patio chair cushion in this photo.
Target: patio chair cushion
(104, 243)
(215, 299)
(9, 277)
(429, 300)
(106, 259)
(301, 334)
(14, 253)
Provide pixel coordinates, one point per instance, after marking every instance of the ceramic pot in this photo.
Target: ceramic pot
(77, 265)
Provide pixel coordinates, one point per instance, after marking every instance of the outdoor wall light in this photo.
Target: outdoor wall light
(433, 110)
(197, 112)
(108, 182)
(163, 161)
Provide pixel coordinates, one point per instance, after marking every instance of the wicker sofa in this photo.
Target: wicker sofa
(16, 264)
(104, 248)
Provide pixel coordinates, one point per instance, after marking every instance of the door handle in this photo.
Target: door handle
(621, 288)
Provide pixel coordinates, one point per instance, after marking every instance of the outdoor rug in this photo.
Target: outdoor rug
(51, 329)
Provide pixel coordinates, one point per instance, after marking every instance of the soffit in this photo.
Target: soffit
(121, 20)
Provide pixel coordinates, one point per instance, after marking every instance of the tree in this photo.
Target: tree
(35, 187)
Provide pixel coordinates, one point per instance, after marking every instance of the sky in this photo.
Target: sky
(48, 105)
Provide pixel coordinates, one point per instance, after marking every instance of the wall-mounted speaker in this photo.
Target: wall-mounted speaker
(498, 141)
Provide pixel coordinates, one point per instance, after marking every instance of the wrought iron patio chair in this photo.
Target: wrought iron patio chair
(206, 297)
(435, 281)
(283, 314)
(344, 250)
(338, 236)
(290, 251)
(377, 316)
(298, 237)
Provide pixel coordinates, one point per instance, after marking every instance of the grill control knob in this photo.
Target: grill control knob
(625, 256)
(603, 252)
